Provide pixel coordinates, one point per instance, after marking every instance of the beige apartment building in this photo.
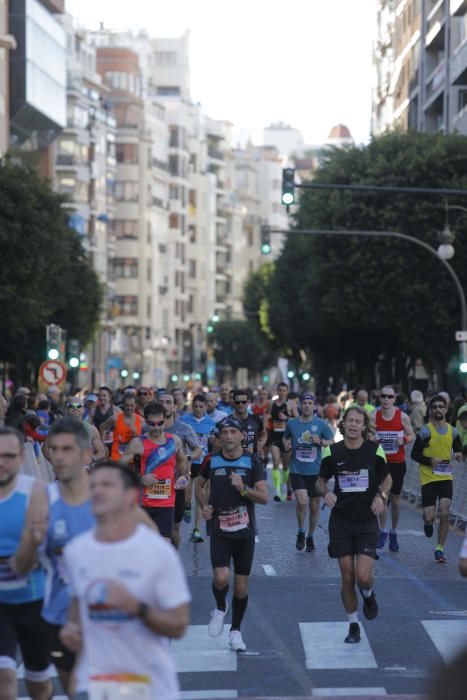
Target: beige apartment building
(7, 43)
(420, 60)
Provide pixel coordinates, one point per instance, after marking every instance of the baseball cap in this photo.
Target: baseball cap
(91, 397)
(416, 396)
(230, 422)
(308, 397)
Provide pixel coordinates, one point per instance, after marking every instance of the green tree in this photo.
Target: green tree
(46, 276)
(352, 301)
(237, 344)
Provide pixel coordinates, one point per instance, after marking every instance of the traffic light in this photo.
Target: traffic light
(73, 353)
(463, 367)
(54, 337)
(266, 378)
(210, 328)
(265, 240)
(288, 186)
(306, 376)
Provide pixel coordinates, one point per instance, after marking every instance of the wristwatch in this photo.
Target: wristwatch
(244, 493)
(143, 609)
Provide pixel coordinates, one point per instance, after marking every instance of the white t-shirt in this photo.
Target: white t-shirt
(113, 641)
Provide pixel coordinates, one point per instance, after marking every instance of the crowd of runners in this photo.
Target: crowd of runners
(90, 578)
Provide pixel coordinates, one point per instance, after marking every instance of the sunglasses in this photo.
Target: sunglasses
(74, 404)
(240, 402)
(387, 396)
(143, 393)
(437, 406)
(157, 423)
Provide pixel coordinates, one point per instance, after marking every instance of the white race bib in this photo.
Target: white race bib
(306, 454)
(354, 482)
(9, 581)
(161, 490)
(443, 469)
(388, 440)
(232, 522)
(119, 686)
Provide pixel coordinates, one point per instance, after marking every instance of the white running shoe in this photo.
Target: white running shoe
(216, 623)
(236, 642)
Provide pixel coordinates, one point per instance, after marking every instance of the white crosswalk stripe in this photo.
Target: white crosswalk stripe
(198, 652)
(448, 636)
(325, 647)
(332, 692)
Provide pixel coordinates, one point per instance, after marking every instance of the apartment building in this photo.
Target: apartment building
(7, 43)
(421, 66)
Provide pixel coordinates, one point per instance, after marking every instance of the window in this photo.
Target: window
(191, 304)
(192, 233)
(125, 228)
(174, 192)
(126, 191)
(126, 267)
(128, 305)
(174, 221)
(174, 141)
(173, 166)
(192, 269)
(167, 90)
(149, 271)
(127, 153)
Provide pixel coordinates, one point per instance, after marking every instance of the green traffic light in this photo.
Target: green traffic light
(265, 249)
(291, 374)
(174, 377)
(306, 376)
(124, 373)
(265, 378)
(73, 362)
(53, 354)
(463, 367)
(287, 198)
(198, 376)
(186, 377)
(136, 375)
(210, 328)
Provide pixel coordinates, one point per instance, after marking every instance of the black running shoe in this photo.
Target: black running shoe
(428, 529)
(370, 606)
(300, 543)
(353, 636)
(310, 545)
(277, 498)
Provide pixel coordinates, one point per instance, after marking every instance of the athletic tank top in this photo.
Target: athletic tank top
(260, 410)
(13, 511)
(387, 433)
(123, 435)
(440, 447)
(65, 522)
(159, 460)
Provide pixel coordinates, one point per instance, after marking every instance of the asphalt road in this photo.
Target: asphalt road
(295, 623)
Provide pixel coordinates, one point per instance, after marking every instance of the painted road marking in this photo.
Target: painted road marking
(200, 694)
(212, 653)
(325, 647)
(256, 538)
(333, 692)
(448, 636)
(269, 570)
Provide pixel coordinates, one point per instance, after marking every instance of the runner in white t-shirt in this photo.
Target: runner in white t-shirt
(129, 597)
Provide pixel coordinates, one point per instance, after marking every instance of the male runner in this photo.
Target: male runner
(104, 409)
(393, 431)
(162, 460)
(255, 435)
(305, 436)
(280, 413)
(204, 428)
(143, 397)
(22, 499)
(192, 451)
(362, 482)
(76, 410)
(125, 426)
(129, 594)
(180, 402)
(433, 448)
(225, 399)
(236, 484)
(212, 411)
(361, 399)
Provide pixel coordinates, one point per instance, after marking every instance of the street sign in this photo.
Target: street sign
(52, 372)
(461, 336)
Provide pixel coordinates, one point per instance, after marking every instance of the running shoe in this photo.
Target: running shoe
(187, 514)
(370, 606)
(428, 529)
(439, 556)
(310, 545)
(300, 543)
(382, 537)
(393, 543)
(216, 623)
(353, 636)
(289, 495)
(235, 640)
(277, 498)
(196, 536)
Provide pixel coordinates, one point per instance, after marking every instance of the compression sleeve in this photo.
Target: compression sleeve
(417, 451)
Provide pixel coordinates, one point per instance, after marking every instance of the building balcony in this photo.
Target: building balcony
(215, 154)
(459, 122)
(436, 82)
(458, 8)
(435, 27)
(458, 65)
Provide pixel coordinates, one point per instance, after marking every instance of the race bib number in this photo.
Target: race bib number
(119, 686)
(388, 440)
(161, 490)
(108, 436)
(307, 454)
(443, 469)
(278, 426)
(9, 580)
(354, 482)
(234, 521)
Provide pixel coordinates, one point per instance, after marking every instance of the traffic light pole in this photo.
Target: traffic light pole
(403, 237)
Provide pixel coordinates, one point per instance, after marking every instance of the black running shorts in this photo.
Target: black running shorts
(241, 550)
(194, 470)
(305, 482)
(436, 490)
(179, 505)
(347, 538)
(164, 519)
(397, 471)
(23, 625)
(61, 657)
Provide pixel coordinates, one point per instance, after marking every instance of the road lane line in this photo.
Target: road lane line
(201, 694)
(325, 647)
(212, 653)
(448, 636)
(333, 692)
(269, 570)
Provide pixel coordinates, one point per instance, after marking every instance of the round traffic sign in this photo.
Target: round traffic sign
(52, 372)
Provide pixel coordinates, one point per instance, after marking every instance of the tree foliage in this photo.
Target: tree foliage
(237, 344)
(46, 276)
(349, 301)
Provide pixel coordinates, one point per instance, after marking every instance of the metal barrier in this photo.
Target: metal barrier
(36, 465)
(412, 489)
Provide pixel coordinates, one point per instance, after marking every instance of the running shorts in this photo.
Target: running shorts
(397, 471)
(61, 657)
(306, 482)
(436, 490)
(241, 550)
(23, 625)
(179, 505)
(347, 538)
(164, 519)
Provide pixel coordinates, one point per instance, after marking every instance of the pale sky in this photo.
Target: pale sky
(253, 62)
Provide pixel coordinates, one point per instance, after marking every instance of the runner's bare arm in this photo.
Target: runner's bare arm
(107, 425)
(408, 430)
(97, 444)
(35, 529)
(200, 491)
(180, 462)
(257, 493)
(135, 447)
